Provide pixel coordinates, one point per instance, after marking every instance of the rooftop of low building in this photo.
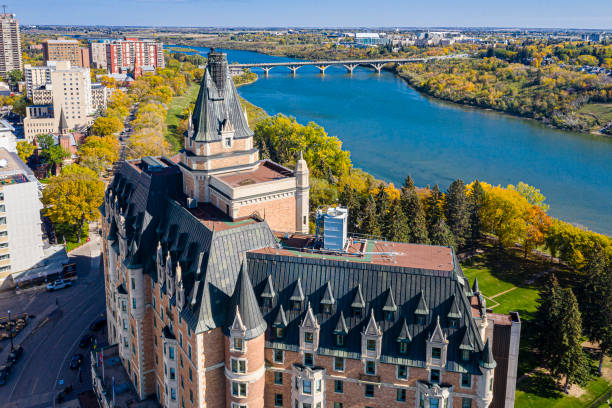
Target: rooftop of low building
(12, 169)
(265, 171)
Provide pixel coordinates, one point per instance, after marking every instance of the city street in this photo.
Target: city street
(61, 319)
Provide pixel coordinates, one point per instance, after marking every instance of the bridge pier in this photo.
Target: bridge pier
(266, 70)
(350, 67)
(293, 68)
(377, 66)
(322, 68)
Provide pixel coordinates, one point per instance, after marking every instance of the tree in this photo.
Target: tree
(596, 304)
(15, 76)
(504, 214)
(369, 220)
(437, 229)
(349, 199)
(25, 149)
(382, 201)
(531, 194)
(98, 153)
(477, 199)
(415, 214)
(558, 333)
(73, 197)
(44, 141)
(396, 227)
(106, 126)
(456, 209)
(51, 153)
(538, 224)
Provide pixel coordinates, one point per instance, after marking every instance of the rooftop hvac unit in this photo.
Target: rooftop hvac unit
(334, 223)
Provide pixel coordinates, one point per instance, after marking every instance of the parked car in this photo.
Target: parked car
(14, 355)
(97, 324)
(76, 361)
(86, 341)
(4, 374)
(58, 284)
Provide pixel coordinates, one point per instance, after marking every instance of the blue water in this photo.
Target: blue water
(392, 130)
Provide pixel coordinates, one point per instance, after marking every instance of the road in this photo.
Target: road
(35, 380)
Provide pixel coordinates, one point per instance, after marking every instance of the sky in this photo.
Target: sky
(592, 14)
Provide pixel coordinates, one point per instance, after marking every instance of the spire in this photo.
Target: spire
(328, 297)
(63, 124)
(298, 293)
(404, 334)
(466, 342)
(309, 319)
(179, 273)
(372, 327)
(301, 166)
(475, 288)
(438, 335)
(268, 291)
(190, 122)
(422, 308)
(486, 357)
(280, 320)
(341, 327)
(244, 306)
(358, 301)
(390, 305)
(454, 312)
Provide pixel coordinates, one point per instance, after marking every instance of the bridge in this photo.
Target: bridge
(350, 65)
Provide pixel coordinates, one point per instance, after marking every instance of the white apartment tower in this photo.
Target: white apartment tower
(10, 44)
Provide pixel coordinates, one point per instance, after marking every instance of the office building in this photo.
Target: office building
(66, 50)
(10, 45)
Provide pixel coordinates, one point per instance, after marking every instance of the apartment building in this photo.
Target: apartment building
(21, 243)
(66, 50)
(129, 54)
(217, 296)
(97, 51)
(10, 44)
(67, 89)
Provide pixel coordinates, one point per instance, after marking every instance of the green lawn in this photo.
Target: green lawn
(65, 231)
(254, 113)
(598, 114)
(175, 115)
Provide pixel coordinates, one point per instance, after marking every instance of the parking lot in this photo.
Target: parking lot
(60, 320)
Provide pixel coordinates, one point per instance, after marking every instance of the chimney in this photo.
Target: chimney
(217, 65)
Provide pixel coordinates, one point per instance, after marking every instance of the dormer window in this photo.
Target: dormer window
(371, 345)
(357, 312)
(339, 340)
(228, 142)
(403, 347)
(436, 353)
(389, 316)
(267, 302)
(238, 344)
(454, 323)
(326, 309)
(279, 332)
(296, 305)
(308, 337)
(465, 355)
(420, 319)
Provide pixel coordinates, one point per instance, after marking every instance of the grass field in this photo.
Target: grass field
(598, 113)
(175, 110)
(254, 113)
(511, 283)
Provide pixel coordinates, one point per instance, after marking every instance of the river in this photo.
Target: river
(392, 130)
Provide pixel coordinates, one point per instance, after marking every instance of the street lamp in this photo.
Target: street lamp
(10, 329)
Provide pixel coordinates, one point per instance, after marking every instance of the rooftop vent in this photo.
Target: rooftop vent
(332, 228)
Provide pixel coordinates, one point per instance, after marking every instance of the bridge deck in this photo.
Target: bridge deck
(342, 62)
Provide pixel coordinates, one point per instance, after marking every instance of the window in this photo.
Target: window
(466, 380)
(238, 366)
(403, 347)
(2, 220)
(402, 372)
(308, 337)
(279, 356)
(239, 389)
(306, 387)
(401, 395)
(491, 384)
(189, 351)
(369, 391)
(466, 403)
(339, 363)
(133, 303)
(357, 312)
(171, 352)
(420, 319)
(278, 400)
(238, 344)
(340, 340)
(308, 359)
(371, 345)
(465, 355)
(3, 233)
(228, 142)
(173, 394)
(318, 385)
(436, 353)
(338, 405)
(370, 367)
(338, 386)
(190, 374)
(454, 322)
(267, 302)
(191, 396)
(296, 305)
(2, 208)
(133, 283)
(172, 374)
(278, 377)
(325, 308)
(389, 316)
(181, 339)
(306, 405)
(434, 377)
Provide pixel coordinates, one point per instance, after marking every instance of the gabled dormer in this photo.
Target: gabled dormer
(358, 305)
(309, 331)
(297, 297)
(328, 300)
(280, 323)
(467, 345)
(437, 345)
(340, 331)
(180, 288)
(422, 311)
(268, 294)
(237, 333)
(371, 339)
(404, 338)
(389, 307)
(454, 313)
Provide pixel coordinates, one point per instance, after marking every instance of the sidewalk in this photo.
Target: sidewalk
(33, 325)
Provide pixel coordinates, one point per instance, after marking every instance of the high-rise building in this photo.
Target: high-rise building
(67, 89)
(218, 297)
(10, 44)
(21, 243)
(66, 50)
(129, 54)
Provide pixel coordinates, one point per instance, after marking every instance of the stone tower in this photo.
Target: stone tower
(302, 195)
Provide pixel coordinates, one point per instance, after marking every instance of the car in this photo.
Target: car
(14, 355)
(86, 341)
(76, 361)
(4, 374)
(58, 284)
(97, 324)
